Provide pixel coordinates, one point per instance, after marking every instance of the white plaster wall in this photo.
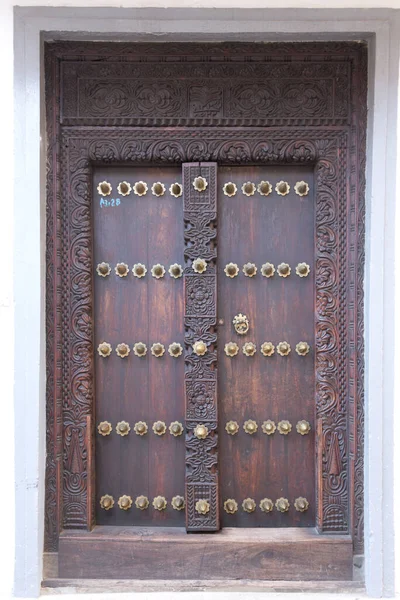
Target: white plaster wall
(21, 275)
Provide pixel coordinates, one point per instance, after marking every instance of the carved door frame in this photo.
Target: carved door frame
(336, 148)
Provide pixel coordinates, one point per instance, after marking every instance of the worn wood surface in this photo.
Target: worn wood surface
(260, 229)
(273, 554)
(148, 230)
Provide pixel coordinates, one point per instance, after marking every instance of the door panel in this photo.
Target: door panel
(138, 229)
(260, 229)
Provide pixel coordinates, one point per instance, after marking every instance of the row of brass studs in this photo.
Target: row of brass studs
(142, 502)
(267, 270)
(140, 188)
(284, 427)
(264, 188)
(231, 349)
(139, 270)
(140, 428)
(140, 349)
(266, 505)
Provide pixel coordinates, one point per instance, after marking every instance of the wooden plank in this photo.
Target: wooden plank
(93, 586)
(162, 553)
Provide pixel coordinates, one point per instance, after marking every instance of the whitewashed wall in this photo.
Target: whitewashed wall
(21, 275)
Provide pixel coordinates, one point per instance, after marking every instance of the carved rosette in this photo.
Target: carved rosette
(200, 213)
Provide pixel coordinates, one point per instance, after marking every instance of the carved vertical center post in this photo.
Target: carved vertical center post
(200, 216)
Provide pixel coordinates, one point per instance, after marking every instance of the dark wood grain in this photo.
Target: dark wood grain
(273, 554)
(148, 230)
(262, 229)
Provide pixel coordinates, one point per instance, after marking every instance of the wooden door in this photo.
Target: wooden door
(266, 230)
(205, 244)
(138, 306)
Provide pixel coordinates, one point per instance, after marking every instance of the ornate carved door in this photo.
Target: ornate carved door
(205, 247)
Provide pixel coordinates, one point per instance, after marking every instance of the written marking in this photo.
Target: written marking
(109, 202)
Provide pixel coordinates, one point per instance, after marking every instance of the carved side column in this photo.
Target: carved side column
(200, 215)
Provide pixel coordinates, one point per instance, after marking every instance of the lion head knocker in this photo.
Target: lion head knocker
(241, 324)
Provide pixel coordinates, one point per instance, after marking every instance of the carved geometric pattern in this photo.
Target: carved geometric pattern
(201, 399)
(200, 296)
(194, 520)
(299, 137)
(200, 321)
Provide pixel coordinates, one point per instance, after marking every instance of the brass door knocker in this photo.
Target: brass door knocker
(241, 324)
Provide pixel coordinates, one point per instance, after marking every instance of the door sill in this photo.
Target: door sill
(169, 553)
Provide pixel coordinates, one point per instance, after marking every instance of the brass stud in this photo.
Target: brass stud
(248, 188)
(200, 431)
(202, 507)
(123, 428)
(140, 188)
(106, 502)
(139, 270)
(266, 505)
(142, 502)
(283, 348)
(104, 428)
(176, 190)
(124, 188)
(200, 184)
(284, 270)
(140, 428)
(267, 269)
(199, 265)
(249, 269)
(176, 428)
(232, 427)
(282, 504)
(264, 188)
(200, 348)
(302, 348)
(158, 271)
(103, 269)
(175, 350)
(284, 427)
(104, 188)
(302, 269)
(249, 349)
(121, 269)
(159, 427)
(301, 504)
(268, 427)
(178, 502)
(303, 427)
(125, 502)
(231, 349)
(122, 350)
(230, 506)
(229, 189)
(175, 271)
(267, 349)
(158, 189)
(241, 324)
(157, 349)
(231, 270)
(301, 188)
(248, 505)
(140, 349)
(282, 188)
(159, 503)
(104, 349)
(250, 427)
